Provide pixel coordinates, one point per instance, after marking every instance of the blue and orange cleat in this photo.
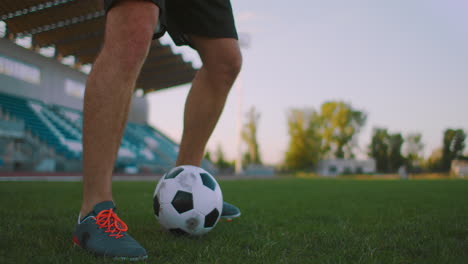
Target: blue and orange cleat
(103, 233)
(230, 212)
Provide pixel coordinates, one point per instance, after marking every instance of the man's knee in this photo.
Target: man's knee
(131, 51)
(233, 64)
(227, 65)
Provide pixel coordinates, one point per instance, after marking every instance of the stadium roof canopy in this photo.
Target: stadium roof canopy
(76, 27)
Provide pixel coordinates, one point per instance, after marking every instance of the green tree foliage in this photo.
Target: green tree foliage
(207, 156)
(433, 162)
(379, 149)
(453, 146)
(304, 139)
(249, 135)
(385, 148)
(340, 123)
(221, 162)
(395, 158)
(413, 149)
(414, 146)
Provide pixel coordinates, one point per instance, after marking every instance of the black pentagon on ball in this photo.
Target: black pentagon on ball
(210, 219)
(183, 201)
(156, 205)
(174, 173)
(208, 181)
(178, 232)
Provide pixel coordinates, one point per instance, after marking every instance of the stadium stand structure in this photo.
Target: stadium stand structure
(58, 130)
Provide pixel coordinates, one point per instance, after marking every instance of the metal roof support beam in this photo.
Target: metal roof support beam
(35, 8)
(64, 23)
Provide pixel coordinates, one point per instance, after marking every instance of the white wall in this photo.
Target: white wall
(341, 166)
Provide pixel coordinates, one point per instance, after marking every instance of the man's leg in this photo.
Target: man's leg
(222, 61)
(129, 28)
(221, 64)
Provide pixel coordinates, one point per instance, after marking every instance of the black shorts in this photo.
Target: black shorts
(182, 18)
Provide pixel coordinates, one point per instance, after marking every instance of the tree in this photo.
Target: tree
(304, 139)
(395, 158)
(413, 149)
(379, 149)
(340, 123)
(385, 148)
(433, 162)
(221, 162)
(249, 135)
(453, 146)
(207, 156)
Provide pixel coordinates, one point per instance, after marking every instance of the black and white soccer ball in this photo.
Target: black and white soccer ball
(188, 200)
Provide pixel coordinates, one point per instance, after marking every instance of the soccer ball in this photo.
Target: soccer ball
(188, 200)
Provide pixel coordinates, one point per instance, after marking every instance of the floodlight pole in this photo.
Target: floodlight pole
(238, 168)
(244, 43)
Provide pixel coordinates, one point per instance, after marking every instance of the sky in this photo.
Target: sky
(404, 63)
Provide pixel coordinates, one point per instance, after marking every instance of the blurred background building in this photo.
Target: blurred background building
(335, 167)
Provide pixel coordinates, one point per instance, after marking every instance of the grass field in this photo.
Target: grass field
(283, 221)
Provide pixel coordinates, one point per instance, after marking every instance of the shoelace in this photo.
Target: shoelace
(108, 219)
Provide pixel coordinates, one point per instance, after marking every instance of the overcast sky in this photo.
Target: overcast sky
(403, 62)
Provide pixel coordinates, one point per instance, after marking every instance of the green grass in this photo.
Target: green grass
(283, 221)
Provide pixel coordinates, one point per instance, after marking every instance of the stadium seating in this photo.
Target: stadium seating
(30, 111)
(60, 128)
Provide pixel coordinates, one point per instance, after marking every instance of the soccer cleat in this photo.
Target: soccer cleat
(102, 233)
(230, 211)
